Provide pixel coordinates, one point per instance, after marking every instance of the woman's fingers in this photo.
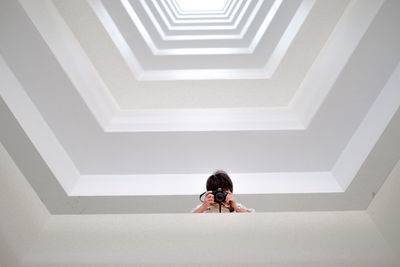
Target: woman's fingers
(209, 198)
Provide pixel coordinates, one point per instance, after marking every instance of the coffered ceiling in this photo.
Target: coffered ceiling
(140, 101)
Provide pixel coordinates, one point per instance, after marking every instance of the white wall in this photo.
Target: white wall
(384, 209)
(7, 256)
(349, 238)
(22, 214)
(263, 239)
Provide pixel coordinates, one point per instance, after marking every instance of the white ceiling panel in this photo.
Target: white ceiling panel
(319, 143)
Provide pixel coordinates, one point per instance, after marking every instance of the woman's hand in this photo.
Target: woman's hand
(208, 199)
(230, 201)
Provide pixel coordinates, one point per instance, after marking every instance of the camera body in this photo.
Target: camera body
(219, 195)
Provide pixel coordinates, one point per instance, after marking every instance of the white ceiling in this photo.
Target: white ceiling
(122, 83)
(108, 100)
(208, 6)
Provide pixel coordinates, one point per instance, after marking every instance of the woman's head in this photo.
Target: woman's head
(219, 179)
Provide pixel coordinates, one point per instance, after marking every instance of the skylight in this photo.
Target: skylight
(201, 5)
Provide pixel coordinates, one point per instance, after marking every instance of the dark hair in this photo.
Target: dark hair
(219, 179)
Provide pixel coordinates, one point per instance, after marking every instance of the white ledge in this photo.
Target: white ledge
(193, 184)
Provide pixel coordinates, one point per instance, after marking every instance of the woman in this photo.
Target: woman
(220, 184)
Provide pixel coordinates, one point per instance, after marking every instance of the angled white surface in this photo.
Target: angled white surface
(247, 183)
(310, 239)
(368, 133)
(203, 6)
(304, 152)
(40, 134)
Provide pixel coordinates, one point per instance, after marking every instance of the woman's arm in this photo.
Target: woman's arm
(230, 201)
(200, 209)
(208, 200)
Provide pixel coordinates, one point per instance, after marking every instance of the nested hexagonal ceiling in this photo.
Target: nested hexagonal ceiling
(141, 98)
(231, 104)
(198, 7)
(156, 47)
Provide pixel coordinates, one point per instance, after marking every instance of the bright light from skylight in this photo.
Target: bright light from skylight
(201, 5)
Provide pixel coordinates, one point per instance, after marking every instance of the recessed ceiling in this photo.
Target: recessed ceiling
(264, 101)
(256, 40)
(113, 112)
(205, 6)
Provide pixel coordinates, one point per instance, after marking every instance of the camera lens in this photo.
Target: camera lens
(219, 197)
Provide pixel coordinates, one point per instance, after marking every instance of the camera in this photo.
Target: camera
(219, 195)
